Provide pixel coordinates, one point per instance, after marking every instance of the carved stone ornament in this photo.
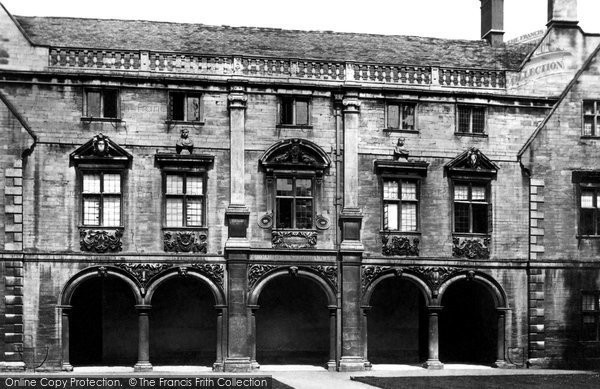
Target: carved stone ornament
(471, 248)
(434, 276)
(472, 161)
(100, 241)
(399, 245)
(322, 222)
(100, 143)
(184, 143)
(266, 220)
(295, 153)
(213, 271)
(100, 149)
(255, 272)
(185, 242)
(144, 272)
(400, 152)
(370, 273)
(294, 239)
(327, 272)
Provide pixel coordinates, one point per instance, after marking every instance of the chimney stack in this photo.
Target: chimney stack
(562, 12)
(492, 21)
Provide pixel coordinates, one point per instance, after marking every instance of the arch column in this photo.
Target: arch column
(433, 359)
(65, 317)
(253, 362)
(221, 337)
(332, 364)
(143, 363)
(501, 350)
(365, 331)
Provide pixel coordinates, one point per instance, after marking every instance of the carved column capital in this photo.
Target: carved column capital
(237, 98)
(143, 309)
(351, 104)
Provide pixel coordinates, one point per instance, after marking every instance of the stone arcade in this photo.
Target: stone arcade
(233, 197)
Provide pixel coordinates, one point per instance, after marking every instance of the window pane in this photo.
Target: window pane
(174, 212)
(194, 185)
(285, 187)
(393, 116)
(193, 109)
(112, 183)
(478, 193)
(588, 126)
(284, 212)
(303, 187)
(461, 192)
(91, 211)
(587, 199)
(409, 190)
(408, 117)
(390, 190)
(174, 184)
(110, 104)
(461, 217)
(480, 218)
(464, 119)
(304, 211)
(390, 216)
(177, 106)
(91, 183)
(588, 107)
(409, 217)
(301, 112)
(93, 104)
(478, 120)
(586, 224)
(588, 302)
(194, 211)
(287, 111)
(112, 211)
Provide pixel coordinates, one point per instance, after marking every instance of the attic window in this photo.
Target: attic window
(591, 118)
(470, 119)
(185, 107)
(101, 104)
(401, 116)
(294, 111)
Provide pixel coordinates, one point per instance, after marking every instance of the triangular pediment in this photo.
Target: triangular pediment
(295, 154)
(472, 162)
(100, 149)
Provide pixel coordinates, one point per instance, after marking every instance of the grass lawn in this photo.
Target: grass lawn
(579, 381)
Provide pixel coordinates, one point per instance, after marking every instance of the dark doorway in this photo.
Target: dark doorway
(183, 324)
(292, 323)
(397, 323)
(468, 324)
(103, 328)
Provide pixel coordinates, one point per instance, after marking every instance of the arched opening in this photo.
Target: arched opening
(103, 326)
(468, 324)
(397, 323)
(292, 323)
(183, 323)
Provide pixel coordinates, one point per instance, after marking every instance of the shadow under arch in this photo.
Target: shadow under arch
(158, 280)
(412, 278)
(496, 290)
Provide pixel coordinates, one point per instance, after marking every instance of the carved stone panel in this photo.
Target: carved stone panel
(143, 272)
(213, 271)
(399, 245)
(328, 272)
(185, 241)
(471, 248)
(294, 239)
(255, 272)
(100, 241)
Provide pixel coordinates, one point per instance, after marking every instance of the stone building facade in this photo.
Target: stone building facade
(229, 197)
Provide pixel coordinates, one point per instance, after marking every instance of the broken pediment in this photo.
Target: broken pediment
(295, 154)
(472, 162)
(101, 150)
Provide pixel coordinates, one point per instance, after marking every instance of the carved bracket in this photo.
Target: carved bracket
(213, 271)
(255, 272)
(399, 245)
(185, 242)
(294, 239)
(471, 248)
(143, 272)
(100, 241)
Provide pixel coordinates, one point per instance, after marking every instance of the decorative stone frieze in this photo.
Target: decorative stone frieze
(399, 245)
(434, 276)
(144, 272)
(213, 271)
(101, 241)
(185, 241)
(471, 247)
(255, 272)
(327, 272)
(294, 239)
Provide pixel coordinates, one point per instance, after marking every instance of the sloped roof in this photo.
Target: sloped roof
(269, 42)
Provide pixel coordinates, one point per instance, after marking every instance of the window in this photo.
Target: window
(401, 116)
(184, 200)
(471, 120)
(294, 202)
(589, 217)
(400, 205)
(294, 111)
(591, 118)
(590, 316)
(102, 103)
(101, 199)
(185, 107)
(471, 208)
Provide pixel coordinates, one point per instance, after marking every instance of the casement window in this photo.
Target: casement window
(470, 119)
(186, 107)
(590, 316)
(184, 200)
(294, 111)
(591, 118)
(101, 198)
(401, 116)
(101, 104)
(589, 201)
(400, 205)
(471, 207)
(294, 202)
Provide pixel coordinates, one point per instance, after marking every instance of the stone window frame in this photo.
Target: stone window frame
(470, 181)
(85, 170)
(400, 178)
(186, 95)
(592, 116)
(103, 92)
(272, 184)
(593, 313)
(293, 100)
(586, 179)
(185, 172)
(593, 187)
(400, 104)
(471, 108)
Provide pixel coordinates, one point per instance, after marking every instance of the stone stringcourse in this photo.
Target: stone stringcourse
(100, 241)
(185, 242)
(294, 239)
(471, 248)
(399, 245)
(213, 271)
